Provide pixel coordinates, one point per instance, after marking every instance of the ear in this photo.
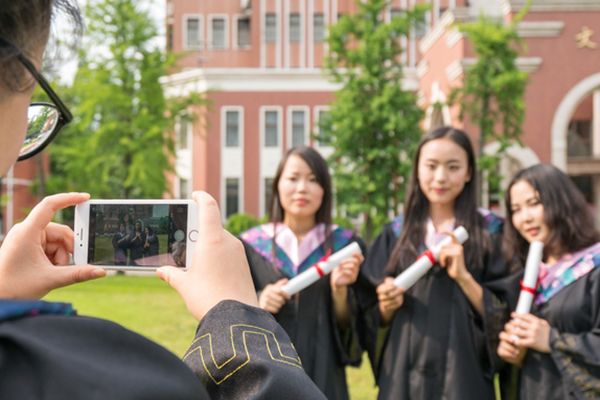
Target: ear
(469, 175)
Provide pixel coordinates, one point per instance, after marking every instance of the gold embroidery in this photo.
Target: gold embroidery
(220, 373)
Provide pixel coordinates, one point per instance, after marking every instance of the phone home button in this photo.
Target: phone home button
(193, 235)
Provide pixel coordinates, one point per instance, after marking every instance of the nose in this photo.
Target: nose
(440, 174)
(301, 185)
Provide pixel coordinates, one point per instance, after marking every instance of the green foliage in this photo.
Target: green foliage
(238, 223)
(493, 88)
(373, 123)
(116, 147)
(343, 222)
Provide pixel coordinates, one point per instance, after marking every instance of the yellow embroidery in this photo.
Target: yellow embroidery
(204, 346)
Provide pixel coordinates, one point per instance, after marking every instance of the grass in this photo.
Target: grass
(148, 306)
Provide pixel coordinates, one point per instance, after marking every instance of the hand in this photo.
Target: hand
(390, 299)
(509, 352)
(33, 250)
(273, 298)
(347, 272)
(453, 259)
(530, 331)
(219, 268)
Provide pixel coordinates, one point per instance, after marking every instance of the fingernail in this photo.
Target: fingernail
(160, 273)
(98, 273)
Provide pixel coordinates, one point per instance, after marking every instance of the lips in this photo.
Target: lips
(440, 190)
(301, 202)
(532, 231)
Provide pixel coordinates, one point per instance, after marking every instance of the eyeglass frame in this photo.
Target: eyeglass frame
(64, 116)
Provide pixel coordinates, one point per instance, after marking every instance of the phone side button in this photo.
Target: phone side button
(193, 235)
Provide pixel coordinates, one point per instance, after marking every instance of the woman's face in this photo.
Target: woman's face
(443, 171)
(299, 192)
(528, 212)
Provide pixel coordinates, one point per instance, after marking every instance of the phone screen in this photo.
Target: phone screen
(144, 235)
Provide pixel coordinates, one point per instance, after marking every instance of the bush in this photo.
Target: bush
(343, 222)
(238, 223)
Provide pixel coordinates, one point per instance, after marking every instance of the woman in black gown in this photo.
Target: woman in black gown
(437, 340)
(321, 318)
(557, 345)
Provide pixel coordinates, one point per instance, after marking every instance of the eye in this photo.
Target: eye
(454, 168)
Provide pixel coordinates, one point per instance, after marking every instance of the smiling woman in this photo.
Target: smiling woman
(439, 336)
(557, 345)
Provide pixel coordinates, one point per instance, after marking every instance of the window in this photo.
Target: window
(298, 128)
(318, 28)
(182, 133)
(183, 189)
(295, 28)
(268, 193)
(271, 28)
(271, 129)
(218, 33)
(232, 129)
(323, 117)
(579, 138)
(421, 27)
(232, 195)
(395, 12)
(243, 32)
(170, 37)
(193, 38)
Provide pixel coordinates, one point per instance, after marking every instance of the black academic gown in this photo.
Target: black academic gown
(572, 369)
(437, 346)
(239, 352)
(310, 322)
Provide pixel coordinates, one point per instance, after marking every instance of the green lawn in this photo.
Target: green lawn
(150, 307)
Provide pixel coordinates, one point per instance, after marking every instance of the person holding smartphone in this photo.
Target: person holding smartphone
(437, 339)
(47, 352)
(557, 345)
(321, 318)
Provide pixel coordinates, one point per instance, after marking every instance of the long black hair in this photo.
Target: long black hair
(320, 169)
(465, 211)
(571, 227)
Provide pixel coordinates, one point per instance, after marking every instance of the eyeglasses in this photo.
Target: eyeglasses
(45, 120)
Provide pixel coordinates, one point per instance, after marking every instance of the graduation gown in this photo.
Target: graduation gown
(308, 317)
(437, 346)
(572, 368)
(239, 352)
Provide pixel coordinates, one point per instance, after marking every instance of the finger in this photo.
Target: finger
(65, 276)
(172, 275)
(58, 233)
(42, 214)
(209, 215)
(454, 239)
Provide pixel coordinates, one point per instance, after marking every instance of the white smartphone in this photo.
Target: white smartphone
(135, 234)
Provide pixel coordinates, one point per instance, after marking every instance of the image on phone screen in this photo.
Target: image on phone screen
(144, 235)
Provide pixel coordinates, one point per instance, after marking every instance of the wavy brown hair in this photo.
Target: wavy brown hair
(565, 213)
(411, 240)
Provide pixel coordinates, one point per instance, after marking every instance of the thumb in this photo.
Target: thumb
(172, 275)
(65, 276)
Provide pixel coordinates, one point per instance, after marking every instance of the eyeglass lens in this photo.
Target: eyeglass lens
(42, 120)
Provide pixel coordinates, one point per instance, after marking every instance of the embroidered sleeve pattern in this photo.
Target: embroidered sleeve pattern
(565, 350)
(247, 344)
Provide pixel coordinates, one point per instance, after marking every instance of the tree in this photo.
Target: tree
(116, 146)
(493, 88)
(373, 123)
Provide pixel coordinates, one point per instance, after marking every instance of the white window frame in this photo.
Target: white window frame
(267, 171)
(316, 118)
(209, 31)
(290, 124)
(200, 18)
(227, 152)
(224, 111)
(234, 32)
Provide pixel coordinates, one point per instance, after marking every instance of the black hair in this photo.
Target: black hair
(25, 29)
(319, 167)
(565, 213)
(465, 211)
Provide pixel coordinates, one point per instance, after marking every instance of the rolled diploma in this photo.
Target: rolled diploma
(311, 275)
(420, 267)
(534, 257)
